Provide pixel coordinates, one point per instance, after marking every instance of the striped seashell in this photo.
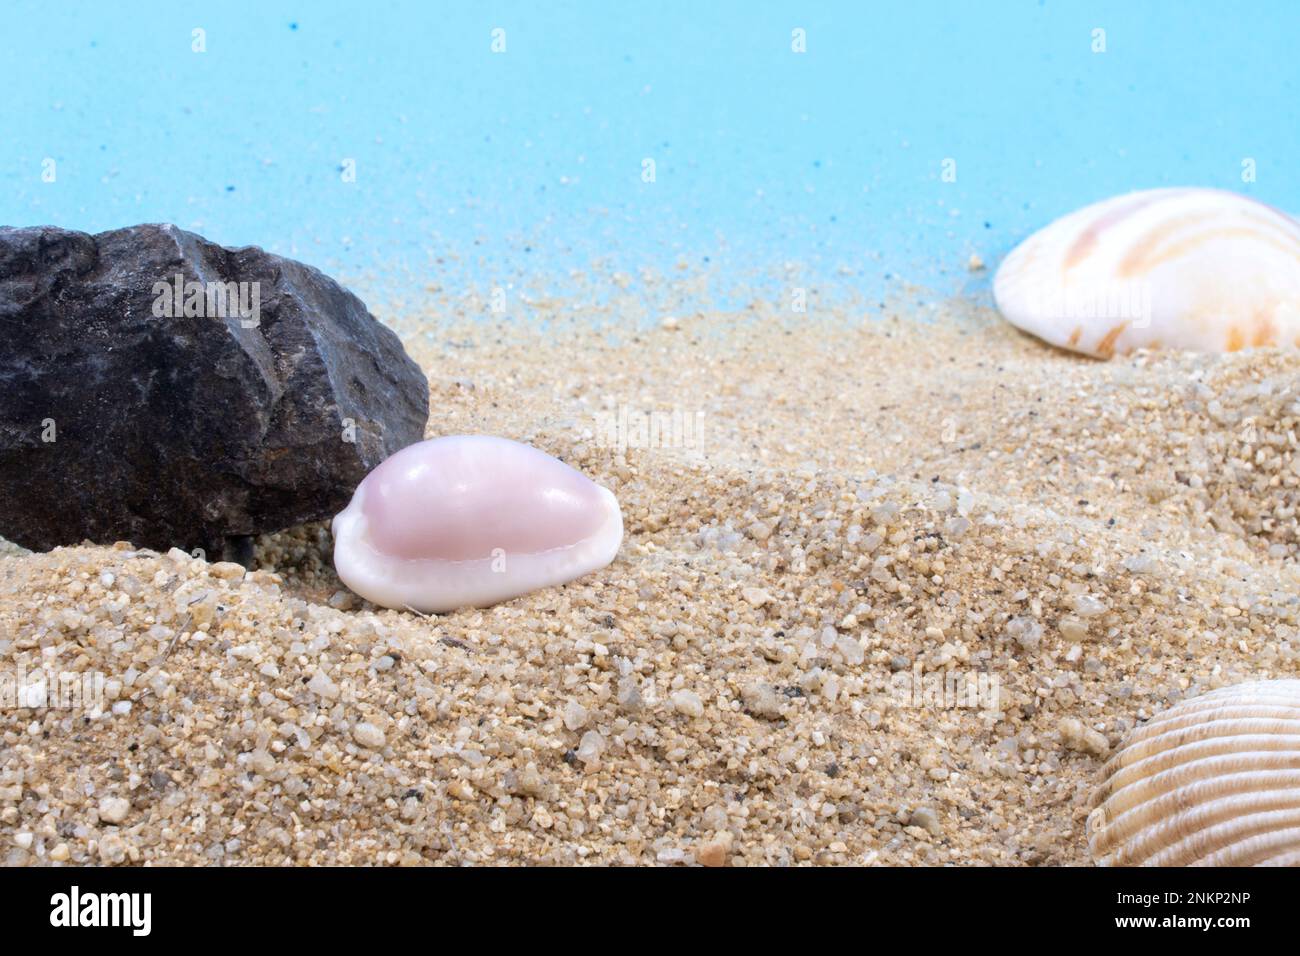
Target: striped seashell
(1213, 781)
(1195, 269)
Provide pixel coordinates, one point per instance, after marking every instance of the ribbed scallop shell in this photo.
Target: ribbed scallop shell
(1213, 781)
(1196, 269)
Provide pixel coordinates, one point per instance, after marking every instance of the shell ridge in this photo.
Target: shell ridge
(1213, 780)
(1132, 835)
(1223, 835)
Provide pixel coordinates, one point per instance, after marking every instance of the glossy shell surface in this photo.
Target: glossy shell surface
(471, 520)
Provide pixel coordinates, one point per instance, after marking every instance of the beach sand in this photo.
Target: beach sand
(835, 508)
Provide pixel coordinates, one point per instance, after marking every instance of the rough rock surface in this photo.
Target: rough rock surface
(130, 413)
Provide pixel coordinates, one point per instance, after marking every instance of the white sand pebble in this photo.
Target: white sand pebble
(114, 809)
(260, 761)
(469, 521)
(1073, 629)
(1085, 605)
(368, 735)
(575, 715)
(688, 702)
(321, 685)
(1195, 269)
(112, 849)
(591, 747)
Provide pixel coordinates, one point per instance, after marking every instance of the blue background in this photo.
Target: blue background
(475, 168)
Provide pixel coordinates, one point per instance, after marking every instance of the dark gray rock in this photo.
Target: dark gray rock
(127, 413)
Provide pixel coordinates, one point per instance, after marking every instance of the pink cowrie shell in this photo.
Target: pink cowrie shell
(471, 520)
